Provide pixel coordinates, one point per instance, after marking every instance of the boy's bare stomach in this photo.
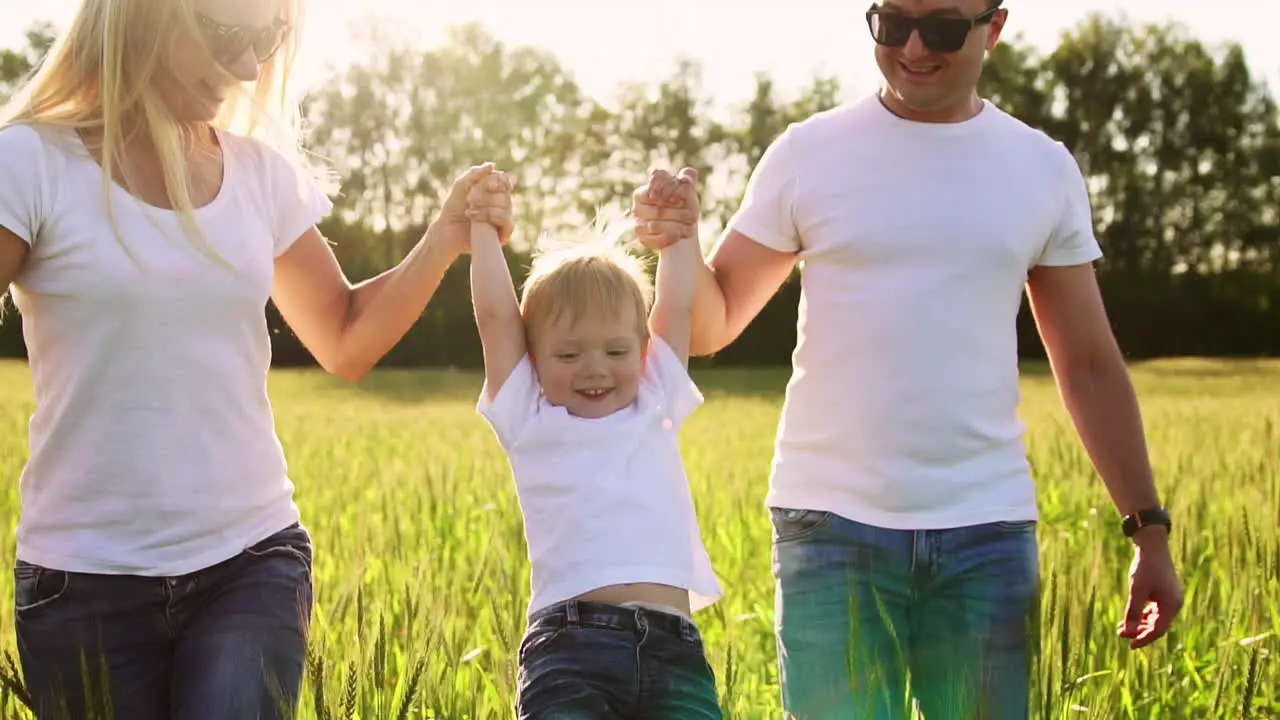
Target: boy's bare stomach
(647, 593)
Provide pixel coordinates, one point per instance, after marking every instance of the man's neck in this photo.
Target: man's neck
(954, 114)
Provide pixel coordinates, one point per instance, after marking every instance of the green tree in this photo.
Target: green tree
(17, 65)
(402, 124)
(1179, 142)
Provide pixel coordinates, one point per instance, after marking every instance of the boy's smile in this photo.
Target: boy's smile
(590, 365)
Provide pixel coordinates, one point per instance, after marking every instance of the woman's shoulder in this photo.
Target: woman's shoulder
(20, 136)
(272, 152)
(279, 182)
(33, 155)
(31, 169)
(267, 160)
(250, 149)
(23, 141)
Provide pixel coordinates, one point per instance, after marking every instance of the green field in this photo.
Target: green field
(422, 578)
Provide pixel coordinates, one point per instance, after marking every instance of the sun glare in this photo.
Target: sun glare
(605, 43)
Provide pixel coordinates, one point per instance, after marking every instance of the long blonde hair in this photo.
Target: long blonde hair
(101, 70)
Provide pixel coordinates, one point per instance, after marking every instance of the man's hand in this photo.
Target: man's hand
(666, 210)
(1155, 596)
(480, 189)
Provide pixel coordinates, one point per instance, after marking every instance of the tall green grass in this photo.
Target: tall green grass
(421, 575)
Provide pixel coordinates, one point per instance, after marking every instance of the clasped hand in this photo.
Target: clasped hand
(666, 210)
(481, 194)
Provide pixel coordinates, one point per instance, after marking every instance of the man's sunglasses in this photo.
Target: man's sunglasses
(228, 43)
(939, 33)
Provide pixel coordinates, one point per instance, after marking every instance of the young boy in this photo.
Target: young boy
(586, 391)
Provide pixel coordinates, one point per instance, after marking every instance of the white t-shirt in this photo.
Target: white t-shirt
(152, 447)
(605, 501)
(915, 242)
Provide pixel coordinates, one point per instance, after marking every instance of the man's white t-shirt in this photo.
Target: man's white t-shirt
(152, 446)
(606, 500)
(915, 241)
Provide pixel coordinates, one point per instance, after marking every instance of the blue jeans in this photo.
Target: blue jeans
(864, 613)
(591, 661)
(224, 643)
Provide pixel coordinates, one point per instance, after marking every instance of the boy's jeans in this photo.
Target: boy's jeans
(223, 643)
(860, 607)
(591, 661)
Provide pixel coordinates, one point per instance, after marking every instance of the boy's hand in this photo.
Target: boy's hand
(452, 229)
(490, 201)
(667, 209)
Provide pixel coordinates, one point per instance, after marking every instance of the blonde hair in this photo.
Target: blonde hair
(101, 71)
(586, 272)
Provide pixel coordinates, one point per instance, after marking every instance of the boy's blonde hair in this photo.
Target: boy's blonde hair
(586, 272)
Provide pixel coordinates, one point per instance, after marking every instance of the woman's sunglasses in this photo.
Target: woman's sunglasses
(228, 43)
(939, 33)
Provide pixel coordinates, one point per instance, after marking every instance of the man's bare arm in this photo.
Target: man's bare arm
(1094, 382)
(733, 286)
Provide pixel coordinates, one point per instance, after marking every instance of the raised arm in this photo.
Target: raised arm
(497, 309)
(672, 316)
(752, 260)
(733, 286)
(349, 328)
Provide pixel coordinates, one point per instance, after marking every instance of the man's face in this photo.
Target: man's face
(932, 68)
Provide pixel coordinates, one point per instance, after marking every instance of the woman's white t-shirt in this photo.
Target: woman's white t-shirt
(153, 448)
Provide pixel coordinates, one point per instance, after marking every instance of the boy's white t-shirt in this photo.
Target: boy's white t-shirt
(605, 501)
(915, 242)
(153, 449)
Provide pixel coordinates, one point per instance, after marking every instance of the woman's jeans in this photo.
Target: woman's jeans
(224, 643)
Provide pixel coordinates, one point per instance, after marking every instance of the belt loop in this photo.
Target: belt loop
(688, 630)
(571, 613)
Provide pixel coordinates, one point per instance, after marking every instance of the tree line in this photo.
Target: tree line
(1179, 140)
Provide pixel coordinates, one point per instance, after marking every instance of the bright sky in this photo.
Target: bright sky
(604, 42)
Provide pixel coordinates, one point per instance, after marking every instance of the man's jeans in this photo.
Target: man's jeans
(860, 608)
(223, 643)
(591, 661)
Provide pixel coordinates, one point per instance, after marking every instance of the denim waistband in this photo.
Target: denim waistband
(583, 614)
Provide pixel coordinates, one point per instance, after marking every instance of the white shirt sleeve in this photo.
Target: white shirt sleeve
(298, 200)
(517, 401)
(767, 213)
(666, 375)
(23, 181)
(1073, 241)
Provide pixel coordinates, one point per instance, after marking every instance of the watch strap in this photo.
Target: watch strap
(1151, 516)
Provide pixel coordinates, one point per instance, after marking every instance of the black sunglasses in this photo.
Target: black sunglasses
(228, 43)
(939, 33)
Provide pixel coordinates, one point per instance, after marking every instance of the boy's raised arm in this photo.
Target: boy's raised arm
(672, 315)
(497, 309)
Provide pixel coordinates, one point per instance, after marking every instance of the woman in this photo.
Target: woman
(151, 201)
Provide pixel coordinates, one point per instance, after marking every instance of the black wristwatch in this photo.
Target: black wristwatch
(1151, 516)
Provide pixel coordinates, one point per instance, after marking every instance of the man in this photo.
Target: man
(903, 505)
